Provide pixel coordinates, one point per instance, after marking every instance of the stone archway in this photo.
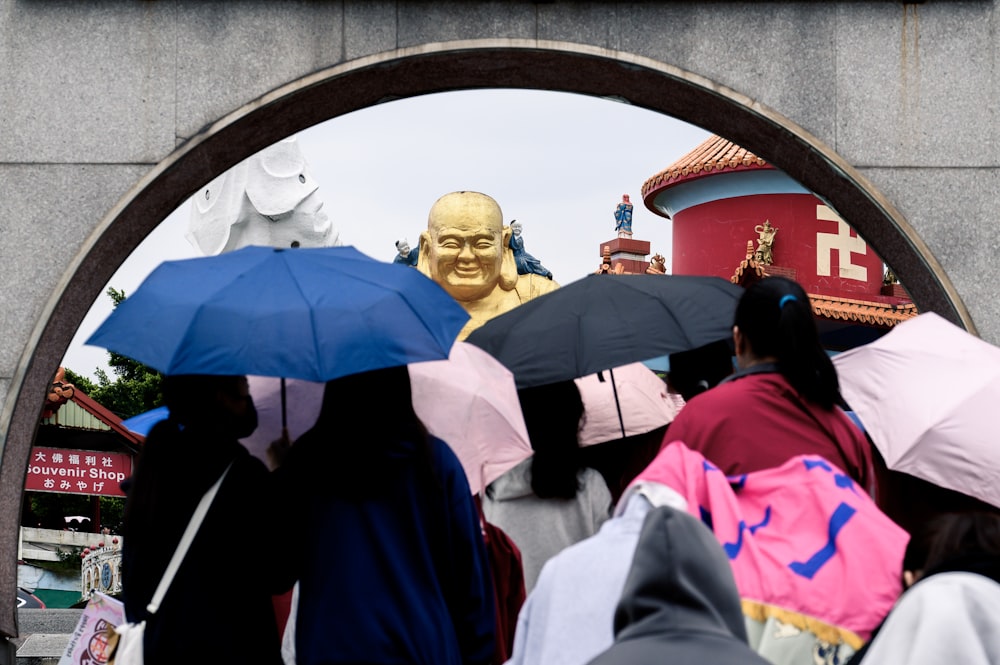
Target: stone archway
(530, 64)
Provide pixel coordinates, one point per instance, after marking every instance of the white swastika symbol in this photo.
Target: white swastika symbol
(841, 241)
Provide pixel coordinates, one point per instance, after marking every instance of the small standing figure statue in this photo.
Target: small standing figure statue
(623, 218)
(889, 278)
(526, 263)
(765, 242)
(404, 254)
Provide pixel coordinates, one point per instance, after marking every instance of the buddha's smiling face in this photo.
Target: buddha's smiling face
(464, 253)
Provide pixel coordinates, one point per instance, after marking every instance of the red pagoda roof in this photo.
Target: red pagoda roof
(714, 155)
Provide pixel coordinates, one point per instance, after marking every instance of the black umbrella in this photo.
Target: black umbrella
(605, 321)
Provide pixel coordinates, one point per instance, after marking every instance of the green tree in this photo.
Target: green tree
(80, 382)
(135, 389)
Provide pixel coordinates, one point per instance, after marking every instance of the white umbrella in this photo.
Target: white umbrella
(926, 393)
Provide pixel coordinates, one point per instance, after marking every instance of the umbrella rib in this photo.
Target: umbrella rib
(428, 322)
(312, 315)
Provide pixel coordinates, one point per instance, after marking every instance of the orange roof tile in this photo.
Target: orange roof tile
(861, 311)
(868, 312)
(714, 155)
(749, 269)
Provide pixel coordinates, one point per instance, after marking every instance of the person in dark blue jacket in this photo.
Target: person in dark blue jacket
(389, 553)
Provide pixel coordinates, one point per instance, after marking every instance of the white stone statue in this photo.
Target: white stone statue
(270, 199)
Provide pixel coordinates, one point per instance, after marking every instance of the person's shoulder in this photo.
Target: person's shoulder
(711, 398)
(248, 465)
(440, 449)
(595, 486)
(444, 457)
(592, 478)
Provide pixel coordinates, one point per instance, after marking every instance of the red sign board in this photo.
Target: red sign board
(77, 471)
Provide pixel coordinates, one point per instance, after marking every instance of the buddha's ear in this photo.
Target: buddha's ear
(508, 267)
(423, 243)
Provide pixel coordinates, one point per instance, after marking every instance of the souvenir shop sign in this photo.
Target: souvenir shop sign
(77, 471)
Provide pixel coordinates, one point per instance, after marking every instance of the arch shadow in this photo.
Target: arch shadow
(431, 68)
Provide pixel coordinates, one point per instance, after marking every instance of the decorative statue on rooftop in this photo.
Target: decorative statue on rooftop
(765, 242)
(526, 263)
(657, 265)
(466, 249)
(623, 218)
(269, 198)
(889, 278)
(404, 254)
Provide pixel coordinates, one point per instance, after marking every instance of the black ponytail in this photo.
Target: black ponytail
(775, 317)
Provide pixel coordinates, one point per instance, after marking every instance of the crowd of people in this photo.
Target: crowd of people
(394, 560)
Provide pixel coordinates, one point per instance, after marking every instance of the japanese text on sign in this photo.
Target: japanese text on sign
(77, 471)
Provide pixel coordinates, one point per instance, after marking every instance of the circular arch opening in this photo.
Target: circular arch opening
(465, 65)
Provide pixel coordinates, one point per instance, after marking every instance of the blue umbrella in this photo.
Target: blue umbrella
(142, 423)
(305, 313)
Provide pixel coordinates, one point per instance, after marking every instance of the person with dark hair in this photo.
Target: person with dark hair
(680, 603)
(695, 371)
(783, 401)
(390, 558)
(218, 587)
(951, 611)
(550, 500)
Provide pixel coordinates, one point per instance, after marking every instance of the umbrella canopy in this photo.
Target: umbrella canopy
(298, 414)
(468, 400)
(303, 398)
(142, 423)
(637, 403)
(605, 321)
(307, 313)
(925, 393)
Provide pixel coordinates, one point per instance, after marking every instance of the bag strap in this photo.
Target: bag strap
(182, 547)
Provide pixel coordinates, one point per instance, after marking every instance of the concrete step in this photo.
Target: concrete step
(42, 649)
(44, 634)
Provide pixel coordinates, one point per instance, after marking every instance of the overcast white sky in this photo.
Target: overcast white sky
(556, 162)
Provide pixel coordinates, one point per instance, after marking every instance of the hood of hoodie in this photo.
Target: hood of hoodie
(680, 582)
(514, 484)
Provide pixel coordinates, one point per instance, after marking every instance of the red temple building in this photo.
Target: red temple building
(737, 217)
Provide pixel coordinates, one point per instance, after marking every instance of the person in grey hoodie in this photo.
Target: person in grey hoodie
(680, 604)
(568, 617)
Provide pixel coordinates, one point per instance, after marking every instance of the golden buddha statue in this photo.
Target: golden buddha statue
(466, 249)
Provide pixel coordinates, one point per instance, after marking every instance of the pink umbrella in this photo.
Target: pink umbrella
(468, 400)
(303, 400)
(926, 393)
(637, 402)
